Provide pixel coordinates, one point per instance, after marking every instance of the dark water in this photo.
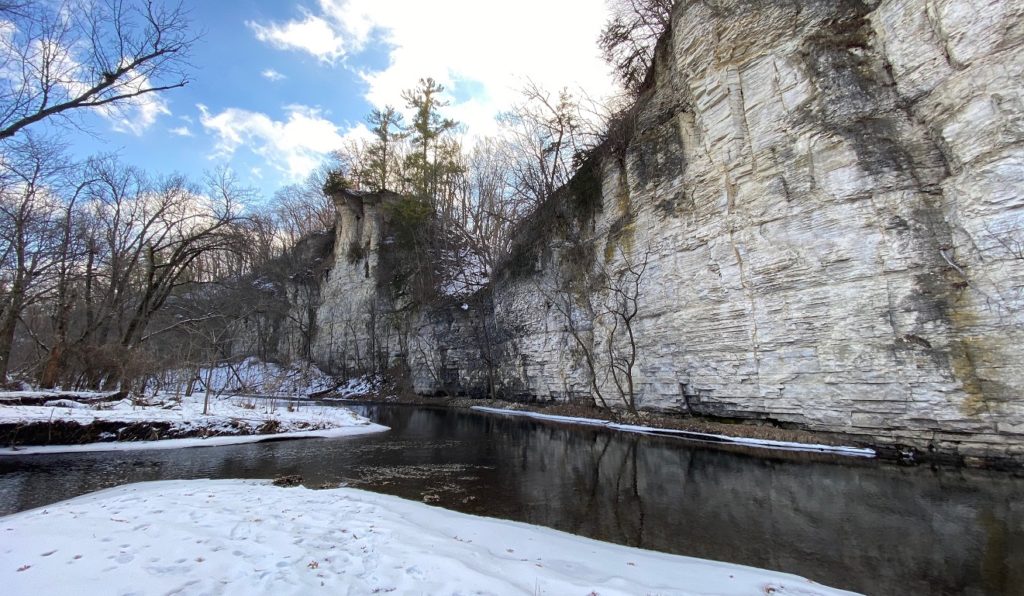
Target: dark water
(853, 524)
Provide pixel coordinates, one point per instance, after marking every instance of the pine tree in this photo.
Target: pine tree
(427, 129)
(386, 126)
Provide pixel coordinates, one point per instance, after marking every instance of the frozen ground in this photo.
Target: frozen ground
(13, 397)
(250, 377)
(229, 420)
(356, 387)
(248, 537)
(763, 443)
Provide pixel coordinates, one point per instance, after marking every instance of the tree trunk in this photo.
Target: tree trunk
(7, 327)
(9, 324)
(206, 398)
(54, 365)
(58, 351)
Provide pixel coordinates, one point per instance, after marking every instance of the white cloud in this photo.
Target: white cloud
(296, 145)
(272, 75)
(312, 34)
(181, 131)
(135, 115)
(483, 52)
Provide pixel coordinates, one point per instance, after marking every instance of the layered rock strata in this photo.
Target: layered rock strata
(826, 201)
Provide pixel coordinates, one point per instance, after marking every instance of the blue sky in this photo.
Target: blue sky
(277, 84)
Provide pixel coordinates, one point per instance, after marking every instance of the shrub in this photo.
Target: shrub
(336, 183)
(356, 252)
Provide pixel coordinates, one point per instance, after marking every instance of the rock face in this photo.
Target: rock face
(348, 316)
(826, 200)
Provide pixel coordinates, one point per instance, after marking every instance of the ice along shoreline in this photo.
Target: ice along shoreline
(686, 434)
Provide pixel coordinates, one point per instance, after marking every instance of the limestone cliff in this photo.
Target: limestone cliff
(347, 319)
(829, 198)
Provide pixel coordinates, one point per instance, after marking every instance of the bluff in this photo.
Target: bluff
(827, 198)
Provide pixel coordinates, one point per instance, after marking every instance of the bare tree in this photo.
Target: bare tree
(137, 242)
(602, 330)
(185, 226)
(61, 57)
(72, 249)
(484, 212)
(569, 291)
(29, 232)
(548, 132)
(629, 38)
(621, 309)
(303, 209)
(431, 356)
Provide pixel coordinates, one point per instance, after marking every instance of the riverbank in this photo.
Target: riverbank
(845, 450)
(87, 422)
(249, 537)
(745, 430)
(754, 430)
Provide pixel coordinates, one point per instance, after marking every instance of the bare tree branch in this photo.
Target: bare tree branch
(88, 54)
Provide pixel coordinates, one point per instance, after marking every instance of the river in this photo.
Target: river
(857, 524)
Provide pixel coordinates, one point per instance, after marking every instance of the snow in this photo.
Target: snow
(357, 386)
(761, 443)
(226, 415)
(264, 285)
(251, 376)
(248, 537)
(65, 403)
(327, 433)
(15, 396)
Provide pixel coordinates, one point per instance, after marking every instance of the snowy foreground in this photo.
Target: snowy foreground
(249, 537)
(229, 421)
(762, 443)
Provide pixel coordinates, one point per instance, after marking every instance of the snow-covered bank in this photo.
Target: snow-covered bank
(246, 537)
(217, 441)
(356, 387)
(249, 377)
(762, 443)
(171, 422)
(42, 396)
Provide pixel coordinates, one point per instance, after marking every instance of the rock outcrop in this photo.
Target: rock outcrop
(348, 315)
(826, 200)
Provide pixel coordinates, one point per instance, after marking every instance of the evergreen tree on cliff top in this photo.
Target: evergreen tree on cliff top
(427, 131)
(381, 155)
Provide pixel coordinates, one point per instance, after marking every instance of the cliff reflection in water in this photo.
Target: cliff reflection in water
(855, 524)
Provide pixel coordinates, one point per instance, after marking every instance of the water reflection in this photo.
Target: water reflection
(852, 524)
